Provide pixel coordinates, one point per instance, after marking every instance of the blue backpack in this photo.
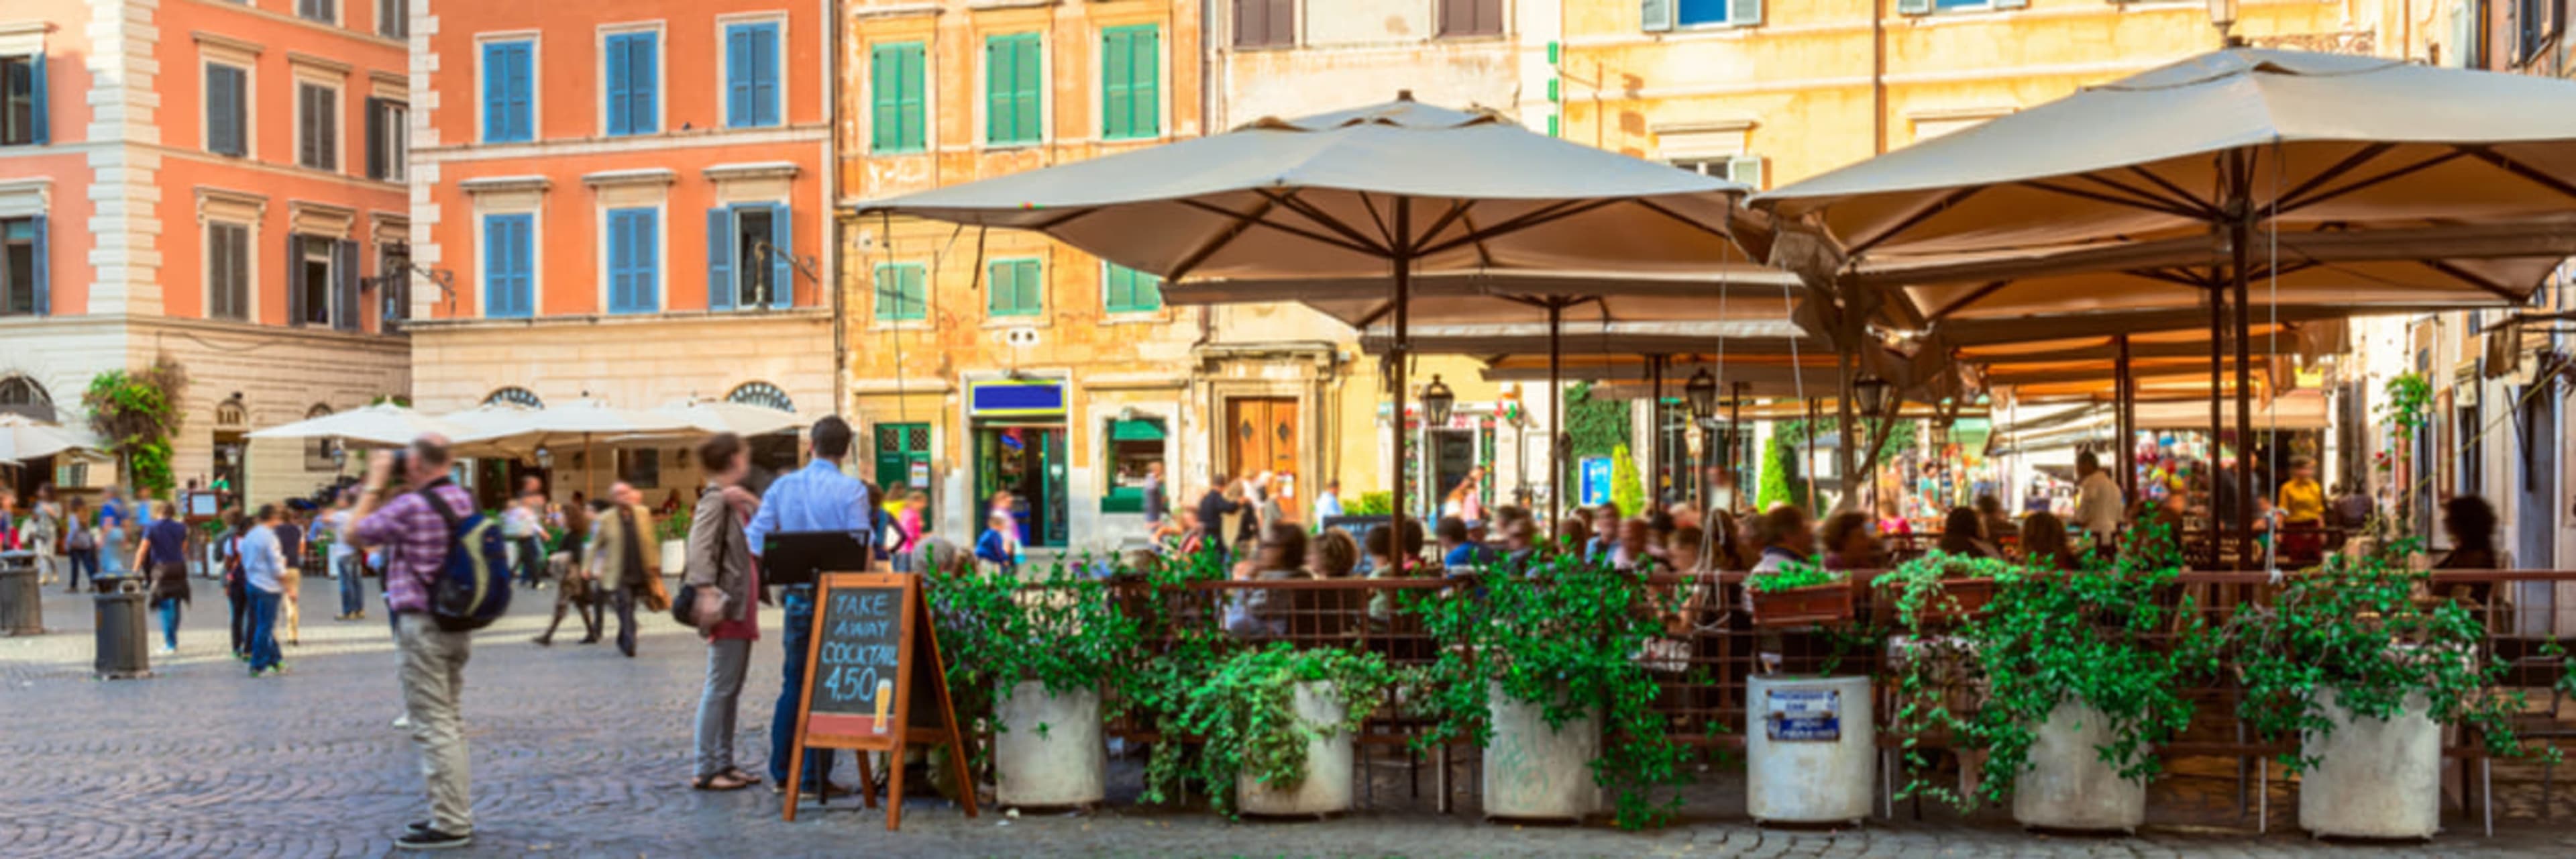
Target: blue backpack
(472, 588)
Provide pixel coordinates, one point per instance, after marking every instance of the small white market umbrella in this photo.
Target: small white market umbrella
(379, 425)
(708, 417)
(582, 422)
(23, 438)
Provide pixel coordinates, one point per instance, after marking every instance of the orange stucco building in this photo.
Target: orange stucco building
(629, 202)
(217, 183)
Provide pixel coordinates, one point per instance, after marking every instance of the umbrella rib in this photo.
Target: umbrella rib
(1914, 218)
(1221, 239)
(2185, 204)
(2464, 276)
(1457, 210)
(1293, 203)
(2320, 197)
(2116, 200)
(1370, 206)
(1258, 220)
(2170, 187)
(1545, 214)
(1659, 209)
(2489, 155)
(2347, 165)
(2172, 277)
(1971, 298)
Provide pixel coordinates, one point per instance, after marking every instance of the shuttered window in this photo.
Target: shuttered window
(388, 140)
(227, 110)
(1126, 290)
(751, 75)
(1015, 287)
(317, 126)
(393, 20)
(23, 287)
(1131, 97)
(1265, 23)
(227, 271)
(1668, 14)
(634, 260)
(509, 266)
(22, 99)
(509, 92)
(903, 292)
(631, 63)
(1471, 17)
(895, 91)
(1014, 76)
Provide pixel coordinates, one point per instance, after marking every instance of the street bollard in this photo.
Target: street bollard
(124, 633)
(22, 609)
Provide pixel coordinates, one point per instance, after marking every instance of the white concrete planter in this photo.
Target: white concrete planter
(675, 557)
(1050, 751)
(1535, 772)
(1821, 780)
(2374, 778)
(1327, 786)
(2068, 786)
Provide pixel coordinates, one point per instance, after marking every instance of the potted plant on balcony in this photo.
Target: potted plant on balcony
(1038, 650)
(1542, 669)
(2363, 675)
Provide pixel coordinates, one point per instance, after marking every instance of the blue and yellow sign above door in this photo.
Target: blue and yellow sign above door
(1015, 398)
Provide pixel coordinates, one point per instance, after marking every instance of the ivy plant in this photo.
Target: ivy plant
(1564, 635)
(1244, 715)
(137, 413)
(1061, 628)
(1791, 576)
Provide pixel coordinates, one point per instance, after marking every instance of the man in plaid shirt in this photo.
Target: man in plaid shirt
(416, 541)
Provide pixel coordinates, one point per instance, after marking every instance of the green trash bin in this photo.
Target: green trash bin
(124, 633)
(22, 606)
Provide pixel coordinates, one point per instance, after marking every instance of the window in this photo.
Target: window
(1744, 170)
(324, 11)
(317, 126)
(1471, 17)
(1926, 7)
(895, 118)
(227, 110)
(22, 99)
(750, 258)
(640, 467)
(509, 92)
(514, 396)
(20, 395)
(762, 394)
(1131, 95)
(1014, 75)
(1016, 288)
(318, 451)
(388, 140)
(227, 271)
(751, 75)
(634, 260)
(902, 292)
(393, 21)
(1135, 444)
(1667, 14)
(634, 86)
(2536, 27)
(509, 266)
(1126, 290)
(22, 267)
(322, 282)
(393, 285)
(1265, 23)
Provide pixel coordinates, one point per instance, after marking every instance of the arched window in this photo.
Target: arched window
(232, 414)
(761, 394)
(514, 396)
(319, 453)
(20, 395)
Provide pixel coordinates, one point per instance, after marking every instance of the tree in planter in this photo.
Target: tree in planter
(1626, 491)
(137, 414)
(1565, 635)
(1243, 714)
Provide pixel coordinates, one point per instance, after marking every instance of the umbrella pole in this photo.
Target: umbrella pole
(2125, 451)
(1655, 436)
(2217, 363)
(2244, 237)
(1556, 482)
(1402, 257)
(1734, 440)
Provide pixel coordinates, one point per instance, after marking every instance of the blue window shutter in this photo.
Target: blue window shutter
(1746, 13)
(764, 74)
(44, 280)
(344, 285)
(523, 94)
(782, 257)
(620, 255)
(509, 288)
(294, 279)
(648, 260)
(719, 259)
(496, 94)
(738, 87)
(621, 86)
(36, 75)
(645, 96)
(1657, 15)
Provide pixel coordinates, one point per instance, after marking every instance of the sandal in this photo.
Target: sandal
(723, 781)
(739, 775)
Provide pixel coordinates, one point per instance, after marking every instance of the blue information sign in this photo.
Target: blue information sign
(1805, 715)
(1596, 480)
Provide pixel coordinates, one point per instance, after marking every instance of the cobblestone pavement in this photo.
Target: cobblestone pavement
(578, 752)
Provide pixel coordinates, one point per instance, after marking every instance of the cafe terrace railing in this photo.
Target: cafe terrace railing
(1701, 666)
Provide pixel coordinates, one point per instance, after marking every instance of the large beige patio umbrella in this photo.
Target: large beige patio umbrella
(584, 422)
(1391, 190)
(2339, 183)
(709, 417)
(378, 425)
(23, 438)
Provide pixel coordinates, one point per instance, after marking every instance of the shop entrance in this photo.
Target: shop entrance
(1263, 438)
(1029, 462)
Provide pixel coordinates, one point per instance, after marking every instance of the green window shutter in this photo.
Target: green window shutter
(1745, 170)
(1011, 94)
(1015, 288)
(1913, 7)
(1746, 13)
(916, 292)
(1657, 15)
(1126, 290)
(899, 292)
(1131, 81)
(895, 98)
(881, 107)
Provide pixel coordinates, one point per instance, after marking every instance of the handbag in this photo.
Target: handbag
(685, 608)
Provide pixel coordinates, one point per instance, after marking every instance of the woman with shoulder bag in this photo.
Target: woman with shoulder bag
(716, 595)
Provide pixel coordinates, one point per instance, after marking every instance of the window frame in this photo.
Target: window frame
(247, 108)
(36, 101)
(247, 262)
(1107, 98)
(655, 270)
(725, 29)
(395, 143)
(36, 247)
(328, 11)
(305, 246)
(920, 95)
(993, 290)
(536, 90)
(1270, 40)
(1502, 23)
(306, 127)
(1109, 271)
(1036, 41)
(876, 283)
(1725, 16)
(656, 84)
(393, 19)
(485, 272)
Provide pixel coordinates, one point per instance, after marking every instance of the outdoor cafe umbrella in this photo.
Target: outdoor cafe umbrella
(583, 422)
(709, 417)
(378, 425)
(23, 438)
(1391, 190)
(2345, 184)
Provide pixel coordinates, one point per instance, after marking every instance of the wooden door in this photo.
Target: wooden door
(1262, 436)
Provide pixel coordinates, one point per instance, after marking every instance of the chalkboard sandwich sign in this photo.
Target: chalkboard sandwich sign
(871, 631)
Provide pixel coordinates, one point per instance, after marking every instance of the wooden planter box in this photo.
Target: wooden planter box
(1810, 606)
(1961, 600)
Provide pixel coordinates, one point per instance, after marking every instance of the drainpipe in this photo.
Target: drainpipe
(840, 232)
(1878, 74)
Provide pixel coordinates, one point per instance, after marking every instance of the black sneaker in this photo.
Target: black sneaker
(424, 838)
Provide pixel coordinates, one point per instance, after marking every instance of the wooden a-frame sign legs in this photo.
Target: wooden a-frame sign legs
(870, 630)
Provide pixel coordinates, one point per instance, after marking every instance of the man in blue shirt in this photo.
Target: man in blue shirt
(263, 562)
(817, 497)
